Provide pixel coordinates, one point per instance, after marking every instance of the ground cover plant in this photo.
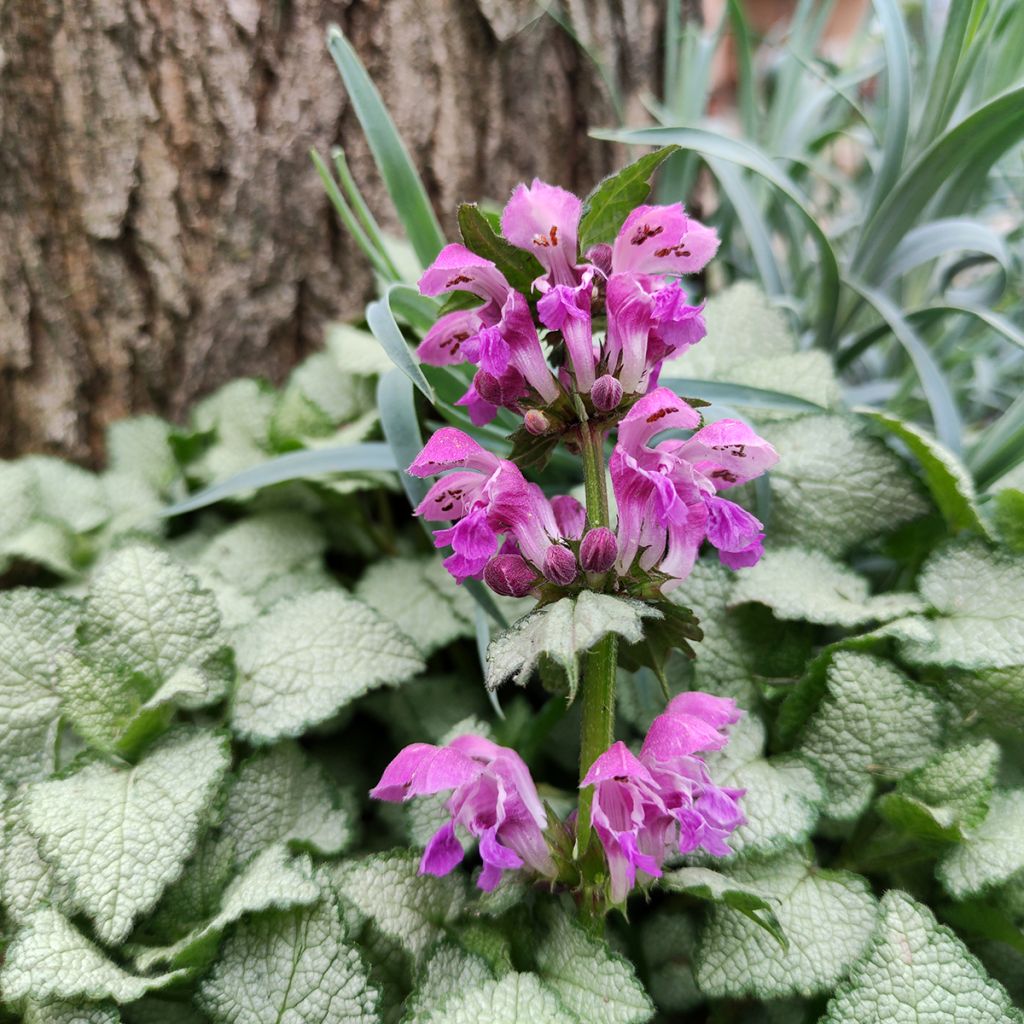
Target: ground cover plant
(780, 637)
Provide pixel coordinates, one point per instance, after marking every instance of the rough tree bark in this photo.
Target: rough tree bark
(161, 227)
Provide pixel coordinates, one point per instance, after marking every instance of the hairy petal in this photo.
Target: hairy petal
(459, 269)
(543, 219)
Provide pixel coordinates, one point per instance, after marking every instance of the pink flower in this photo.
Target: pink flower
(493, 799)
(497, 335)
(667, 493)
(544, 219)
(649, 318)
(484, 497)
(629, 817)
(664, 801)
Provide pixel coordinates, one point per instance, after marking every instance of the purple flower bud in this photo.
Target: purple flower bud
(570, 516)
(606, 393)
(536, 422)
(503, 390)
(509, 575)
(560, 565)
(599, 550)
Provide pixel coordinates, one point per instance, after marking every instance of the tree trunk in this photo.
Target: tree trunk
(161, 227)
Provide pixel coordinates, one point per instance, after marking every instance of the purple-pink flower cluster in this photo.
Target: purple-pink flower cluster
(634, 282)
(644, 809)
(664, 802)
(505, 530)
(494, 800)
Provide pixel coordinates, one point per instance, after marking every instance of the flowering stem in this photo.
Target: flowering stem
(599, 675)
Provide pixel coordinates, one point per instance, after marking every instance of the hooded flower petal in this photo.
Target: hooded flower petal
(659, 410)
(716, 711)
(678, 735)
(458, 269)
(662, 240)
(422, 768)
(729, 452)
(450, 448)
(543, 219)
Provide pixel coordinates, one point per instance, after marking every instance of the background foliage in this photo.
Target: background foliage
(192, 708)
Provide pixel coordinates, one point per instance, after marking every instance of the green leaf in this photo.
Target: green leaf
(897, 107)
(254, 552)
(563, 631)
(590, 980)
(421, 598)
(392, 158)
(304, 465)
(917, 971)
(520, 268)
(873, 724)
(50, 959)
(827, 915)
(1008, 516)
(33, 623)
(725, 662)
(68, 494)
(783, 794)
(946, 417)
(281, 796)
(809, 586)
(149, 639)
(668, 941)
(380, 318)
(750, 359)
(401, 427)
(834, 487)
(995, 695)
(979, 597)
(26, 880)
(117, 836)
(449, 972)
(948, 481)
(356, 351)
(737, 395)
(711, 144)
(514, 999)
(308, 657)
(412, 909)
(237, 417)
(318, 396)
(945, 798)
(272, 881)
(141, 447)
(992, 852)
(714, 887)
(69, 1013)
(146, 612)
(610, 203)
(975, 143)
(289, 966)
